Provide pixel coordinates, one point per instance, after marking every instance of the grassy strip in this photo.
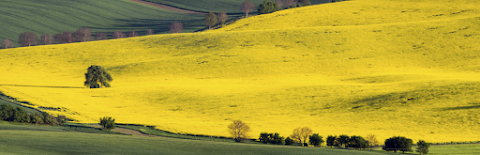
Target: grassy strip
(149, 130)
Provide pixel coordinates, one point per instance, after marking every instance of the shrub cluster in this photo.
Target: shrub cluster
(11, 114)
(398, 144)
(357, 142)
(270, 138)
(107, 123)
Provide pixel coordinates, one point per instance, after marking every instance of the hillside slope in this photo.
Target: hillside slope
(52, 17)
(415, 77)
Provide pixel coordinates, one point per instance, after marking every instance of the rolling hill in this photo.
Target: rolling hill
(51, 16)
(391, 68)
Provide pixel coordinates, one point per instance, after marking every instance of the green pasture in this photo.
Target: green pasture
(18, 139)
(228, 6)
(55, 16)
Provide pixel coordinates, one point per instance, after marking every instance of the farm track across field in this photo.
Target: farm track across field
(168, 7)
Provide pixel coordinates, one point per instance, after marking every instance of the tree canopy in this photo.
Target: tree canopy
(97, 76)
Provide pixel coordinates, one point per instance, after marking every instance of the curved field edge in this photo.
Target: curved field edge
(417, 79)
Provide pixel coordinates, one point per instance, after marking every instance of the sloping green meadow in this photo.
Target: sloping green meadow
(228, 6)
(55, 16)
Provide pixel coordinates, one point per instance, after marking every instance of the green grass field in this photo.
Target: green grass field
(55, 16)
(19, 139)
(228, 6)
(30, 139)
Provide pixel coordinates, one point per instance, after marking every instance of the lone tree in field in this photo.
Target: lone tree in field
(372, 140)
(210, 19)
(422, 147)
(97, 76)
(222, 17)
(83, 34)
(239, 130)
(133, 34)
(46, 39)
(247, 6)
(176, 27)
(118, 34)
(7, 43)
(301, 134)
(398, 144)
(27, 39)
(107, 123)
(315, 140)
(149, 32)
(268, 7)
(101, 36)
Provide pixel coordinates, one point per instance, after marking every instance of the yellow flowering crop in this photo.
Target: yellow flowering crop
(389, 68)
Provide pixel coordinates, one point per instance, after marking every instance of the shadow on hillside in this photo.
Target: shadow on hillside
(475, 106)
(15, 85)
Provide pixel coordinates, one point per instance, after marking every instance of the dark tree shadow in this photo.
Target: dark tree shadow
(475, 106)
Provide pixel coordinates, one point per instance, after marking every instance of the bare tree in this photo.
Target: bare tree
(372, 140)
(222, 17)
(83, 34)
(118, 34)
(149, 32)
(247, 6)
(46, 39)
(101, 36)
(301, 134)
(280, 3)
(65, 37)
(239, 130)
(176, 27)
(133, 34)
(288, 3)
(7, 43)
(27, 39)
(210, 19)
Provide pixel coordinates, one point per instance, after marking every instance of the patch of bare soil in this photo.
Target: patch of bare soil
(168, 7)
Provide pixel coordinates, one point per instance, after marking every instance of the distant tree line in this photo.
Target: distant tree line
(239, 130)
(11, 114)
(80, 35)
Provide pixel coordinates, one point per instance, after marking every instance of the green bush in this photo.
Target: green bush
(357, 142)
(422, 147)
(342, 140)
(331, 141)
(268, 7)
(271, 138)
(107, 123)
(289, 141)
(398, 144)
(316, 140)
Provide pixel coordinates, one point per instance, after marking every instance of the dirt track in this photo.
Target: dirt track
(127, 131)
(168, 7)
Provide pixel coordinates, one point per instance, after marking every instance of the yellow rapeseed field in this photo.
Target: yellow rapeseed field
(388, 67)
